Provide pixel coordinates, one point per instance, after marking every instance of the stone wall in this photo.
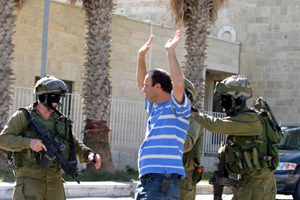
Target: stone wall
(268, 31)
(65, 54)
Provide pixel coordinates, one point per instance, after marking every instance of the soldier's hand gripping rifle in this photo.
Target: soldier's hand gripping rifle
(54, 150)
(220, 178)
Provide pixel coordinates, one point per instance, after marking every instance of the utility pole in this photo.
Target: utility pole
(45, 38)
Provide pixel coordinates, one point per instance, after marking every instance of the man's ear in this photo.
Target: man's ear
(157, 86)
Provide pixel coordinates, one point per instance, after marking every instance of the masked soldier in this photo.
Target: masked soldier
(28, 150)
(192, 152)
(246, 148)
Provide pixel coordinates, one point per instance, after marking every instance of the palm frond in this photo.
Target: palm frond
(181, 9)
(177, 10)
(19, 4)
(217, 5)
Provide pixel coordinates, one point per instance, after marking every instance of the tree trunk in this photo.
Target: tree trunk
(197, 23)
(96, 136)
(6, 50)
(97, 86)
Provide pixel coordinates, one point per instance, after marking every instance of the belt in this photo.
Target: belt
(157, 174)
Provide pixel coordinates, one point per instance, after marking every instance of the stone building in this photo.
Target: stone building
(268, 34)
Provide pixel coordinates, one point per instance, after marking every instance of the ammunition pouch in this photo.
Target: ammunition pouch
(246, 154)
(198, 174)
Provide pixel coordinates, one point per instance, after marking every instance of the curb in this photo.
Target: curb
(102, 189)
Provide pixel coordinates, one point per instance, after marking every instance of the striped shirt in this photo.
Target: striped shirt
(162, 149)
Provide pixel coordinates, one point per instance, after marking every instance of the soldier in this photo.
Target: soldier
(246, 149)
(32, 181)
(192, 152)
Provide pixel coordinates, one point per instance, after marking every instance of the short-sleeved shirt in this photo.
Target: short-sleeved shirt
(162, 149)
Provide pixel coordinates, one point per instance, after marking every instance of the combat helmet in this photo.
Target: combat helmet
(189, 89)
(236, 90)
(50, 84)
(235, 86)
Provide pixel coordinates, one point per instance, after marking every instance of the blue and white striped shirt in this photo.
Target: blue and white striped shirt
(162, 149)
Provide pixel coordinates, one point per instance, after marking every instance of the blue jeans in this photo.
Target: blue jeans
(149, 187)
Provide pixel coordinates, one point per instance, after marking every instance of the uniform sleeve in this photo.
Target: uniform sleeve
(246, 124)
(193, 134)
(81, 150)
(10, 137)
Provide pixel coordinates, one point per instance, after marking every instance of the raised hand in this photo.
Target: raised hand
(172, 43)
(144, 49)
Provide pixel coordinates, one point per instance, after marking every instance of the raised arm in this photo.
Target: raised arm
(174, 68)
(141, 70)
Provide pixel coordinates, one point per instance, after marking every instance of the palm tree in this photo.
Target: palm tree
(97, 86)
(7, 23)
(196, 16)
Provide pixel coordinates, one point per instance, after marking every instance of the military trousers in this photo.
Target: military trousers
(28, 188)
(187, 189)
(258, 185)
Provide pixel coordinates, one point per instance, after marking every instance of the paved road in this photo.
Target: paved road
(198, 197)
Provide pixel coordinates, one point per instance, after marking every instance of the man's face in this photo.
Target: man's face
(149, 90)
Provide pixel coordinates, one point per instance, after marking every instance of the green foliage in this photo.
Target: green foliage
(129, 175)
(7, 177)
(207, 176)
(119, 176)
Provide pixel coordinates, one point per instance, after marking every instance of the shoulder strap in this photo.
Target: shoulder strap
(73, 159)
(26, 112)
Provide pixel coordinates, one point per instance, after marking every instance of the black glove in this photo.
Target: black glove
(194, 109)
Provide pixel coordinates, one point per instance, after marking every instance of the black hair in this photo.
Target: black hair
(163, 78)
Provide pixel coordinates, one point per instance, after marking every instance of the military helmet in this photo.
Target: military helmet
(50, 84)
(235, 86)
(190, 89)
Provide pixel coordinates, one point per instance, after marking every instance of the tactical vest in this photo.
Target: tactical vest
(58, 128)
(248, 153)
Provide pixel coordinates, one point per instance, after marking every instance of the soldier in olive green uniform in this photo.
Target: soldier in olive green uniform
(32, 181)
(192, 152)
(244, 149)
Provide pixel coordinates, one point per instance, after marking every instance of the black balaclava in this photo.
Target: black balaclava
(226, 102)
(48, 99)
(232, 106)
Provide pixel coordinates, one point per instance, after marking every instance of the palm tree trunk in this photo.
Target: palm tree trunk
(97, 86)
(197, 23)
(196, 16)
(6, 50)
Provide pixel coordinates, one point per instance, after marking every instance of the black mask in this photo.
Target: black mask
(226, 101)
(51, 98)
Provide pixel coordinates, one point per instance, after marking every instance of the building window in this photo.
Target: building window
(216, 101)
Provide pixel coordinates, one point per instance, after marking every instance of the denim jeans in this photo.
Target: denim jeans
(149, 187)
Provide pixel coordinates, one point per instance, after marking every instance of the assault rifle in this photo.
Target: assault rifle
(262, 103)
(220, 178)
(54, 150)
